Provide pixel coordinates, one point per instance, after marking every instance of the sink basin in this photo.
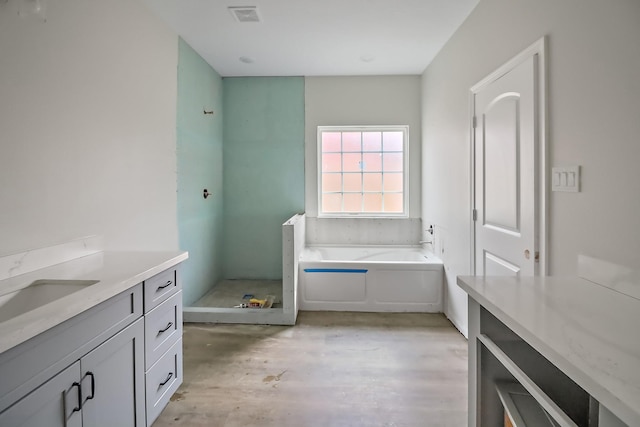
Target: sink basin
(37, 294)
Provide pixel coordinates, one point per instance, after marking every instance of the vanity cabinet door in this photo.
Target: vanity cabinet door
(113, 384)
(608, 419)
(54, 404)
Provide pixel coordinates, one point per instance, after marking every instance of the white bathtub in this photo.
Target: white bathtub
(370, 278)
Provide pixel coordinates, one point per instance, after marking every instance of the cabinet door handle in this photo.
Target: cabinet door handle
(169, 325)
(77, 408)
(93, 385)
(167, 380)
(169, 283)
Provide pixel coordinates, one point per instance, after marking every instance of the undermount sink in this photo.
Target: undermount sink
(37, 294)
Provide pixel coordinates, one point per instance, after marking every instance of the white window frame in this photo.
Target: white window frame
(405, 170)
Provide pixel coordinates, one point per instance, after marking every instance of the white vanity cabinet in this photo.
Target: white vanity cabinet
(163, 340)
(115, 364)
(94, 391)
(569, 347)
(102, 386)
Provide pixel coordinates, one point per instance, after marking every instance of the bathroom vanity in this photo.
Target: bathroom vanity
(572, 346)
(105, 353)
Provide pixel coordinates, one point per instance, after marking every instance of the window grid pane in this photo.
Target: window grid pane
(362, 171)
(372, 141)
(331, 142)
(352, 142)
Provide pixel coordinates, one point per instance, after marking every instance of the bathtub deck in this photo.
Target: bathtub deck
(229, 293)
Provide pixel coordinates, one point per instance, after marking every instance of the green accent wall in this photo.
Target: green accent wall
(263, 171)
(199, 166)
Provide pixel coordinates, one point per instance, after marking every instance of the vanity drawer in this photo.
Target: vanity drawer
(159, 287)
(163, 327)
(162, 380)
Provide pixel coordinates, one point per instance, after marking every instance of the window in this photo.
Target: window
(362, 170)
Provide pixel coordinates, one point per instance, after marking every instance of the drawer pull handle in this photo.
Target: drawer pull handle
(93, 385)
(77, 408)
(169, 283)
(167, 380)
(169, 325)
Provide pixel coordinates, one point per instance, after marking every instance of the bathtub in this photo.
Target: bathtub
(370, 278)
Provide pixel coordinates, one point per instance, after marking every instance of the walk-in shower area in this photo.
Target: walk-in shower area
(247, 152)
(257, 301)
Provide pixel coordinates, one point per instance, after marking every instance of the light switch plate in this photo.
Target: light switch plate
(565, 178)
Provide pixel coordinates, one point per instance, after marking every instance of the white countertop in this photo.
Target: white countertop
(588, 331)
(115, 271)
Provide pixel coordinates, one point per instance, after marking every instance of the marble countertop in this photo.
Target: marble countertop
(590, 332)
(115, 272)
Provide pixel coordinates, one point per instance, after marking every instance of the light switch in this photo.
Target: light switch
(565, 179)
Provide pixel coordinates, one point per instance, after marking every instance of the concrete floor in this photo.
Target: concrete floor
(331, 369)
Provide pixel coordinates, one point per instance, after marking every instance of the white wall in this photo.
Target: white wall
(368, 100)
(88, 126)
(594, 87)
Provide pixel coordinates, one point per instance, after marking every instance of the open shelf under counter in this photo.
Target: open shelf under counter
(575, 343)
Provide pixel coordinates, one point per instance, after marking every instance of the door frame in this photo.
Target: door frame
(538, 48)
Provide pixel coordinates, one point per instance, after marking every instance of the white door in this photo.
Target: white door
(506, 140)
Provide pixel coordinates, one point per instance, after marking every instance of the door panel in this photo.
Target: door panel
(505, 173)
(497, 266)
(50, 405)
(113, 377)
(501, 163)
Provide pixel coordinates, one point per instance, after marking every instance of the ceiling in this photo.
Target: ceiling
(316, 37)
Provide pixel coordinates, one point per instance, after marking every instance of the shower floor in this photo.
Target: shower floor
(229, 293)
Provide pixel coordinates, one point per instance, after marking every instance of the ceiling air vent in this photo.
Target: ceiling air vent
(245, 13)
